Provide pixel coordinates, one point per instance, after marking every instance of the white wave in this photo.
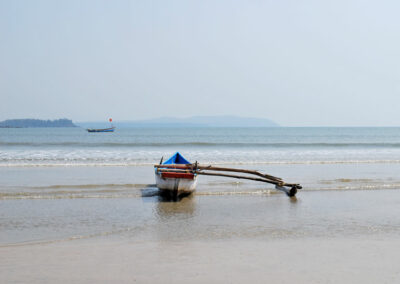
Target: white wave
(138, 164)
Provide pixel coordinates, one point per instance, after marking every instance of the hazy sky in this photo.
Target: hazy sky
(299, 63)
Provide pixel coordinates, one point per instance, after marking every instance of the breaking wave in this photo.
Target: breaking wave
(78, 163)
(204, 144)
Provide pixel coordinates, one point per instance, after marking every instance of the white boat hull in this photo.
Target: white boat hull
(175, 187)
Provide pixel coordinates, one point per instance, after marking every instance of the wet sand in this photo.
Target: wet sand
(322, 237)
(336, 260)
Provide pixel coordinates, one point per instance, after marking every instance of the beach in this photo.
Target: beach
(199, 142)
(71, 213)
(322, 237)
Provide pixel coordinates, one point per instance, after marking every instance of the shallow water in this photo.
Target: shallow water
(202, 217)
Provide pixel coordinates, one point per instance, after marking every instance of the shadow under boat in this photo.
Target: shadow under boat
(151, 191)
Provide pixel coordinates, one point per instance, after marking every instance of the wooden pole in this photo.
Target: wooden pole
(240, 177)
(188, 166)
(220, 169)
(175, 170)
(281, 184)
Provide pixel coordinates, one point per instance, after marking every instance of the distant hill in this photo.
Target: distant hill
(17, 123)
(195, 121)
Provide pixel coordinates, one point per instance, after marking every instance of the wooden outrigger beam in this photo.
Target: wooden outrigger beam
(238, 177)
(202, 170)
(219, 169)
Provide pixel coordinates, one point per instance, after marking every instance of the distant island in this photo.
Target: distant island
(194, 121)
(23, 123)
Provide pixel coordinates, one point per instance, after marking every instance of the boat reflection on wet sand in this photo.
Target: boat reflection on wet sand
(167, 208)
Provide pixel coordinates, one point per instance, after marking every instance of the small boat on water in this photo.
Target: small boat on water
(110, 129)
(174, 178)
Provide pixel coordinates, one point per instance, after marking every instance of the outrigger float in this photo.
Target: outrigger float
(177, 177)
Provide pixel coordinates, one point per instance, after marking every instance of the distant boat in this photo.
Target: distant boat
(175, 179)
(110, 129)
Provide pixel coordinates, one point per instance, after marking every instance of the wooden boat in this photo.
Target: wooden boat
(111, 129)
(174, 178)
(177, 176)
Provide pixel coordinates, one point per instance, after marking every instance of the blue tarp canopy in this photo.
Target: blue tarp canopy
(177, 158)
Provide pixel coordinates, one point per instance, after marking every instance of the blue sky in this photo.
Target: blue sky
(299, 63)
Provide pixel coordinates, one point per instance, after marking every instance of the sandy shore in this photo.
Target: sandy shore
(323, 237)
(337, 260)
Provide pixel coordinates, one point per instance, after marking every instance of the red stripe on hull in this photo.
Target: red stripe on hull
(177, 175)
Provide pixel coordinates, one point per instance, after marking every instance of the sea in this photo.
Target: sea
(48, 147)
(64, 184)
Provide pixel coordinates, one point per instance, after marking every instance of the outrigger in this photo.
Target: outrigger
(177, 176)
